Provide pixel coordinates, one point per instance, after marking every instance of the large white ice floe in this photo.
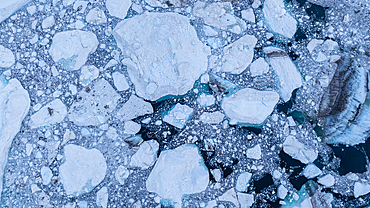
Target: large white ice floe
(118, 8)
(164, 54)
(133, 108)
(178, 115)
(145, 155)
(14, 106)
(178, 172)
(278, 19)
(82, 169)
(249, 106)
(52, 113)
(70, 49)
(289, 76)
(219, 15)
(8, 7)
(299, 151)
(93, 106)
(6, 57)
(238, 55)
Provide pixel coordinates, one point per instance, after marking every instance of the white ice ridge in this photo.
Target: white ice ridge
(299, 151)
(178, 172)
(6, 57)
(249, 106)
(163, 53)
(82, 170)
(278, 19)
(14, 106)
(70, 49)
(8, 7)
(52, 113)
(289, 76)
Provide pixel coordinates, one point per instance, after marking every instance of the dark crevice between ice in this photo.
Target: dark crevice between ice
(266, 192)
(287, 106)
(348, 163)
(294, 168)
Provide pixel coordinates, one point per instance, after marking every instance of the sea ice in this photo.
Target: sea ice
(230, 196)
(6, 56)
(122, 173)
(321, 50)
(361, 189)
(327, 180)
(242, 182)
(248, 15)
(70, 49)
(52, 113)
(131, 127)
(205, 100)
(259, 67)
(88, 74)
(278, 19)
(289, 76)
(8, 7)
(82, 170)
(178, 115)
(249, 106)
(94, 105)
(311, 171)
(145, 155)
(134, 108)
(118, 8)
(46, 175)
(120, 81)
(177, 172)
(96, 16)
(167, 3)
(282, 191)
(212, 118)
(238, 55)
(299, 151)
(245, 200)
(164, 54)
(48, 22)
(254, 152)
(102, 197)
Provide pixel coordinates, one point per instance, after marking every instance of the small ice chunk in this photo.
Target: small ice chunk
(245, 200)
(71, 48)
(361, 189)
(278, 19)
(248, 15)
(134, 141)
(9, 7)
(282, 191)
(145, 155)
(299, 151)
(327, 180)
(209, 31)
(120, 81)
(178, 115)
(31, 9)
(102, 197)
(122, 174)
(134, 108)
(242, 182)
(34, 188)
(177, 172)
(118, 8)
(249, 106)
(205, 100)
(46, 175)
(52, 113)
(256, 4)
(82, 170)
(216, 174)
(29, 148)
(259, 67)
(313, 44)
(212, 118)
(96, 16)
(254, 152)
(131, 127)
(6, 57)
(230, 196)
(88, 74)
(48, 22)
(82, 204)
(289, 76)
(204, 79)
(68, 2)
(276, 174)
(238, 55)
(311, 171)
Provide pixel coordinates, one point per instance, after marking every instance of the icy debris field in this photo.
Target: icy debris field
(184, 103)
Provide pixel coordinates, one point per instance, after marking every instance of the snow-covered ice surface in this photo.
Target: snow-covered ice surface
(179, 103)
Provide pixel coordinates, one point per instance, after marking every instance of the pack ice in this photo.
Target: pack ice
(14, 106)
(6, 57)
(163, 53)
(8, 7)
(177, 172)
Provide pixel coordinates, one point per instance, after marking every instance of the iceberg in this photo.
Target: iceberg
(299, 151)
(134, 108)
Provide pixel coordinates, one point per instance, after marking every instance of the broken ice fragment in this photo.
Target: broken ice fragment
(120, 81)
(102, 197)
(245, 200)
(122, 174)
(145, 155)
(219, 15)
(82, 170)
(6, 57)
(96, 16)
(248, 15)
(131, 127)
(220, 85)
(238, 55)
(165, 54)
(278, 19)
(249, 106)
(134, 141)
(94, 105)
(88, 74)
(48, 22)
(134, 108)
(327, 180)
(178, 115)
(205, 100)
(259, 67)
(118, 8)
(52, 113)
(254, 152)
(361, 189)
(282, 191)
(321, 50)
(230, 196)
(242, 182)
(289, 76)
(212, 118)
(177, 172)
(8, 7)
(311, 171)
(70, 49)
(299, 151)
(46, 175)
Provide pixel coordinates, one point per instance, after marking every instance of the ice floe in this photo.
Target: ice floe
(48, 22)
(321, 50)
(259, 67)
(299, 151)
(249, 106)
(178, 115)
(254, 152)
(212, 118)
(245, 200)
(70, 49)
(248, 15)
(361, 189)
(131, 127)
(122, 173)
(164, 54)
(311, 171)
(134, 108)
(46, 175)
(102, 197)
(145, 155)
(6, 57)
(118, 8)
(242, 182)
(327, 180)
(82, 170)
(178, 172)
(282, 191)
(88, 74)
(230, 196)
(96, 16)
(8, 7)
(205, 100)
(52, 113)
(120, 81)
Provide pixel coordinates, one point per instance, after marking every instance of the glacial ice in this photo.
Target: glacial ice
(278, 19)
(120, 81)
(88, 74)
(46, 175)
(177, 172)
(52, 113)
(242, 182)
(134, 108)
(118, 8)
(289, 76)
(145, 155)
(8, 7)
(299, 151)
(249, 106)
(70, 49)
(82, 169)
(164, 54)
(122, 173)
(178, 115)
(254, 152)
(6, 57)
(14, 106)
